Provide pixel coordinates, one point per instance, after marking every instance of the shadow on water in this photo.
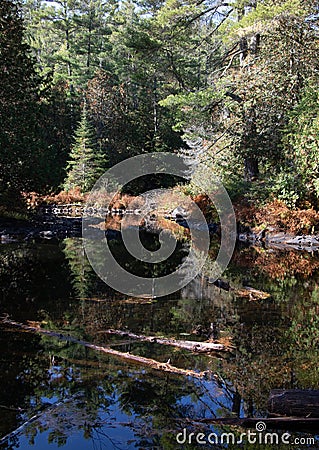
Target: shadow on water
(78, 398)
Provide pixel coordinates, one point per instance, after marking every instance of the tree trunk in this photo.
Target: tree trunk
(155, 114)
(193, 346)
(243, 45)
(251, 168)
(236, 403)
(294, 402)
(135, 359)
(89, 49)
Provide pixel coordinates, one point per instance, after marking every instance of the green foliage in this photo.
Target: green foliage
(259, 18)
(255, 89)
(79, 266)
(55, 132)
(287, 186)
(302, 140)
(19, 96)
(69, 38)
(35, 115)
(86, 162)
(191, 107)
(239, 79)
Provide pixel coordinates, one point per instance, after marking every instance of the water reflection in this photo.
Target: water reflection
(83, 398)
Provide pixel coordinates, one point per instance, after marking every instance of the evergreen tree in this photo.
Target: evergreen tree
(86, 163)
(266, 56)
(82, 272)
(231, 76)
(56, 130)
(69, 38)
(20, 151)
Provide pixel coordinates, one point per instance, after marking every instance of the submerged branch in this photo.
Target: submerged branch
(152, 363)
(198, 347)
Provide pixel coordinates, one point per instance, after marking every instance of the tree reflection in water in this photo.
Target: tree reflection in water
(83, 398)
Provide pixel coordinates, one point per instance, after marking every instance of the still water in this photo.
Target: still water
(58, 394)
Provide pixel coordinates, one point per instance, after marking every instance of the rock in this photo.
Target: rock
(219, 283)
(47, 234)
(40, 229)
(247, 237)
(303, 240)
(6, 239)
(179, 213)
(182, 223)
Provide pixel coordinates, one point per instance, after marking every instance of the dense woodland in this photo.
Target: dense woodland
(85, 84)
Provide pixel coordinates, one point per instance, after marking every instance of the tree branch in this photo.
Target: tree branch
(198, 347)
(213, 9)
(152, 363)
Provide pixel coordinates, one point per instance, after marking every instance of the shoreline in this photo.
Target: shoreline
(58, 228)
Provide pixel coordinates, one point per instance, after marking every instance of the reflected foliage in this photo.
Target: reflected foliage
(74, 391)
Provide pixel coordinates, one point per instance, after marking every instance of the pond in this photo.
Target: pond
(58, 393)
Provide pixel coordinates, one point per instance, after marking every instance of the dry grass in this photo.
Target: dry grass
(277, 264)
(276, 216)
(33, 199)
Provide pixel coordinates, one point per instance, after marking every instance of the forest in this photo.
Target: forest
(230, 90)
(88, 83)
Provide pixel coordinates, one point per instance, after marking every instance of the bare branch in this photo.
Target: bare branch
(152, 363)
(198, 347)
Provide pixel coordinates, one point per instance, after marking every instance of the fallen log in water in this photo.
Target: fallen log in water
(152, 363)
(245, 291)
(295, 410)
(251, 293)
(194, 346)
(294, 402)
(280, 423)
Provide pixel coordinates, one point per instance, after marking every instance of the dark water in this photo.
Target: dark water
(83, 399)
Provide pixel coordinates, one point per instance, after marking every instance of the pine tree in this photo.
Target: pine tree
(80, 267)
(86, 162)
(70, 38)
(19, 100)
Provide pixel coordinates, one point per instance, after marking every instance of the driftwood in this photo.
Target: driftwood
(245, 291)
(294, 402)
(152, 363)
(198, 347)
(280, 423)
(251, 293)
